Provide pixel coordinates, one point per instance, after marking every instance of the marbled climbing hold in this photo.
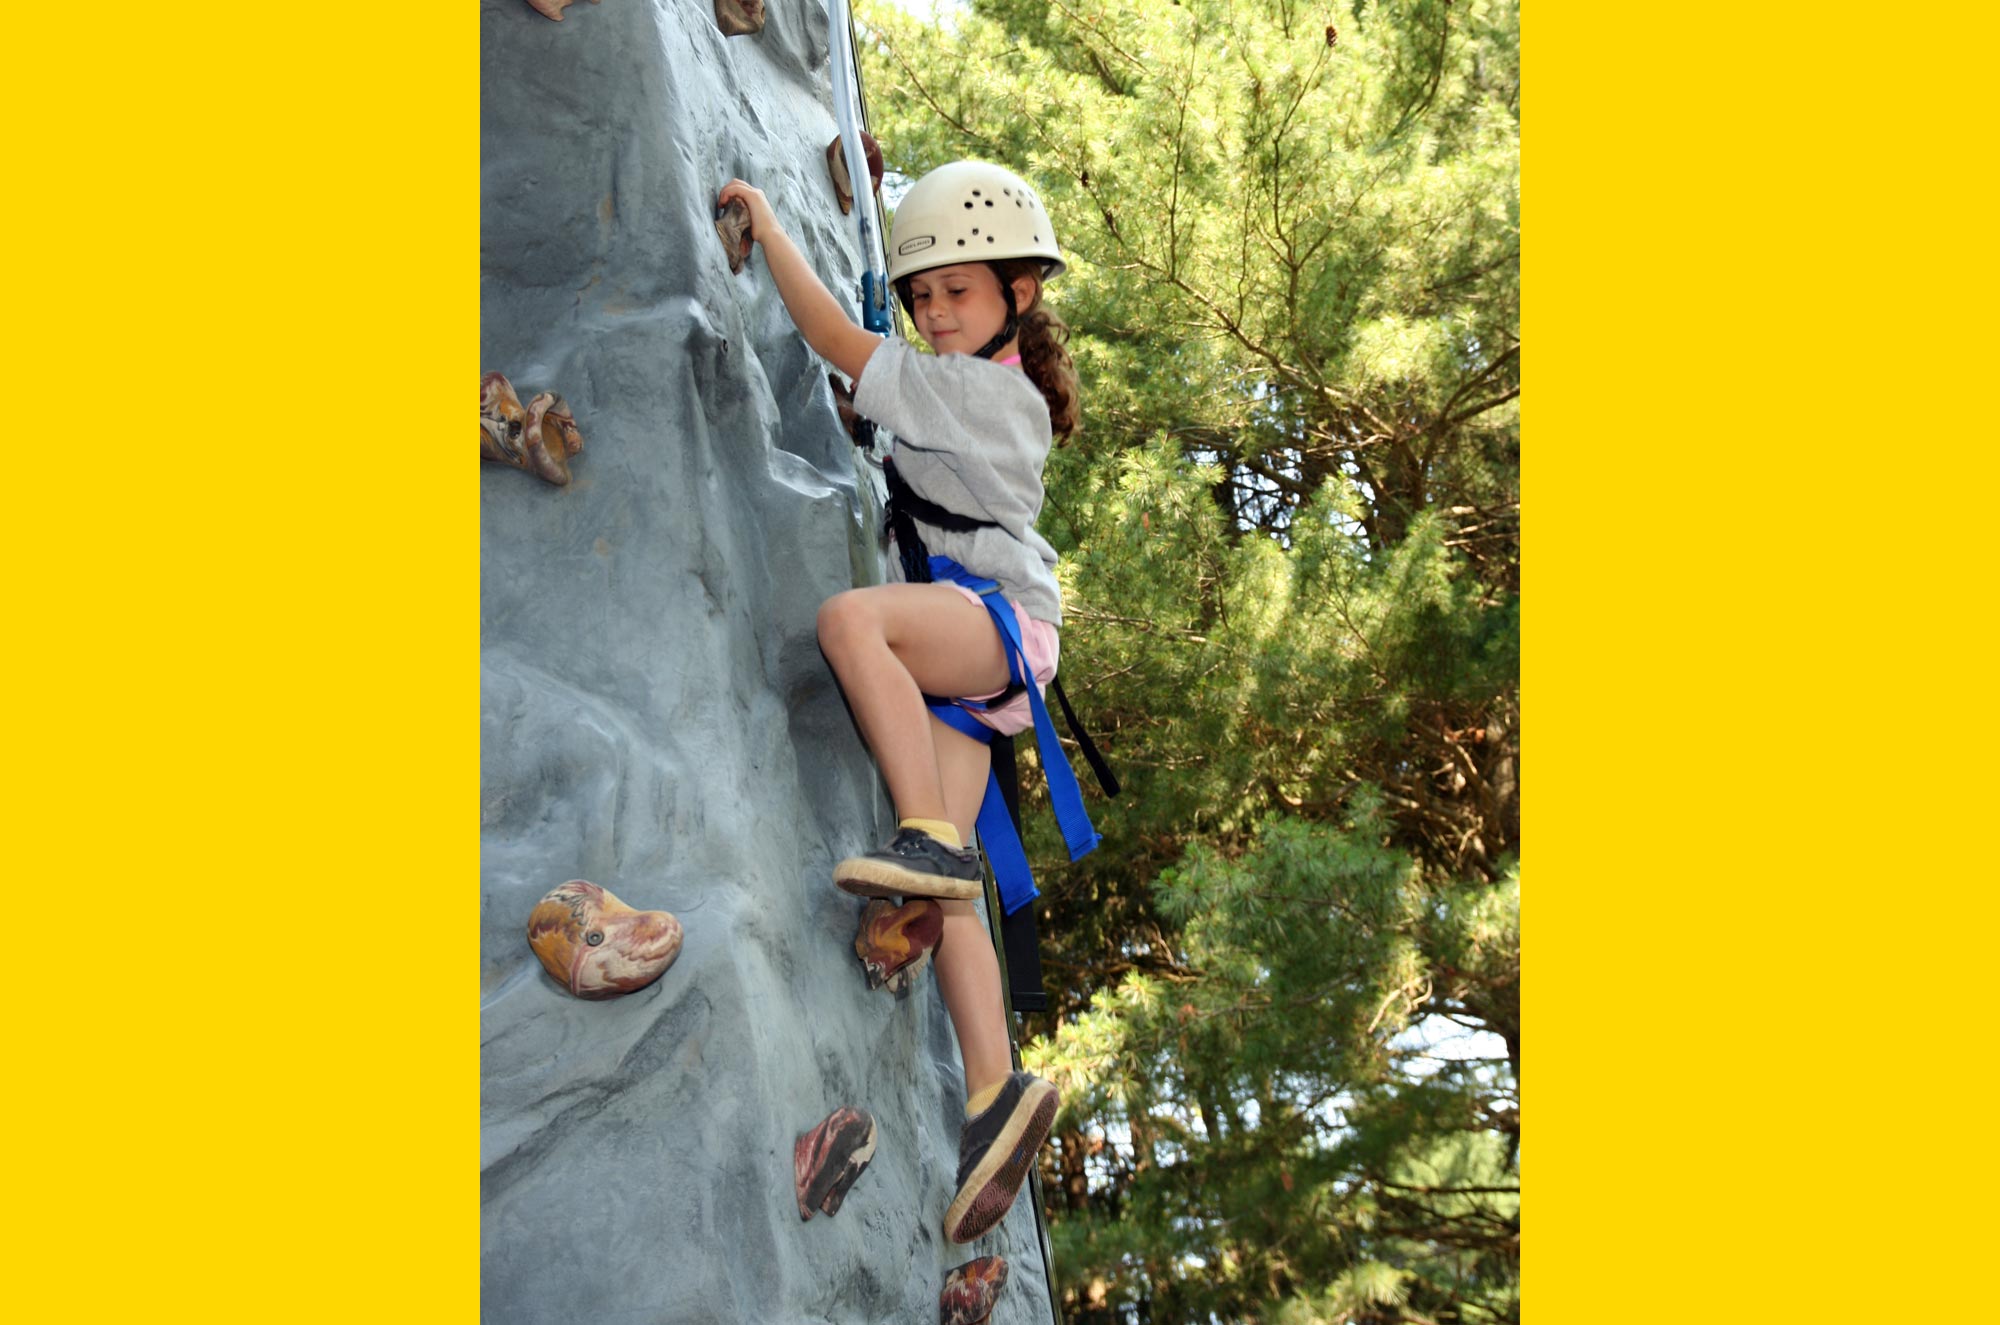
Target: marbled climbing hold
(836, 164)
(739, 18)
(827, 1160)
(552, 434)
(894, 943)
(734, 227)
(539, 438)
(553, 8)
(971, 1290)
(598, 947)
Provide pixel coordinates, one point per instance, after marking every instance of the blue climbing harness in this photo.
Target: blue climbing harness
(995, 826)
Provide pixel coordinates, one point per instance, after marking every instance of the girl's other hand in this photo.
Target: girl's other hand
(763, 221)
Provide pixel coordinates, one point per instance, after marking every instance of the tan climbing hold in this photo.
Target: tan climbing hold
(598, 947)
(552, 8)
(739, 18)
(539, 438)
(734, 227)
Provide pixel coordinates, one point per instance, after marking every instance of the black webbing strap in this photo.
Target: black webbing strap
(904, 502)
(1017, 931)
(1105, 777)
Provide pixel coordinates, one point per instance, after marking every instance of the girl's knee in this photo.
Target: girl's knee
(843, 617)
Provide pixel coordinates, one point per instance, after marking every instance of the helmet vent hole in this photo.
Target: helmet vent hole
(968, 207)
(989, 202)
(975, 230)
(961, 243)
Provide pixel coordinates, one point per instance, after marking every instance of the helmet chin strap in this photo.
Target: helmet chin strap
(1007, 332)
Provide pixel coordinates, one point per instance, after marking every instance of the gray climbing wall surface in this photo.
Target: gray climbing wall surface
(657, 718)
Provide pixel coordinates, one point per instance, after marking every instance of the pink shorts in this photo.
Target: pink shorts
(1039, 640)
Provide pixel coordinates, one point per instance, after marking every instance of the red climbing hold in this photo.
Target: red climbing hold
(836, 164)
(894, 943)
(827, 1160)
(971, 1290)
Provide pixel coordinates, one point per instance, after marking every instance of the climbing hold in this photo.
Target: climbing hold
(551, 437)
(598, 947)
(558, 418)
(827, 1160)
(894, 942)
(860, 429)
(553, 8)
(539, 439)
(734, 227)
(739, 18)
(836, 164)
(501, 421)
(971, 1290)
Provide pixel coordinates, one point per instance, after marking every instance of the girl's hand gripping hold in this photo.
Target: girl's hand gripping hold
(763, 221)
(820, 318)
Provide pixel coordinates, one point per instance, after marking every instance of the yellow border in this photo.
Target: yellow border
(243, 255)
(243, 727)
(1755, 703)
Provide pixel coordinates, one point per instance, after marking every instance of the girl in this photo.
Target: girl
(969, 251)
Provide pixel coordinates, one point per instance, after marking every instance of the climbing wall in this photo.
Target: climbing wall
(657, 718)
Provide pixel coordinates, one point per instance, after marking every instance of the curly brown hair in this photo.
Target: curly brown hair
(1044, 348)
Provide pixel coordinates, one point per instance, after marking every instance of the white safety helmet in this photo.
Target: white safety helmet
(970, 211)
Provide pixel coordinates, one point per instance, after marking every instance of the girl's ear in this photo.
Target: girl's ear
(1026, 291)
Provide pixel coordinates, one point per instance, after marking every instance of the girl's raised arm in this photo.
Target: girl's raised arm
(826, 326)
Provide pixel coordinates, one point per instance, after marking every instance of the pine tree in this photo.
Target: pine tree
(1291, 561)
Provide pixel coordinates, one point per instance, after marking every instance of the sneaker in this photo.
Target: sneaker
(915, 864)
(994, 1152)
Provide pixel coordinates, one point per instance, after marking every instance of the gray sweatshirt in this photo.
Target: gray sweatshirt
(972, 436)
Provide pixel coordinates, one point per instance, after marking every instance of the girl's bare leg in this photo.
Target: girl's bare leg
(892, 644)
(968, 972)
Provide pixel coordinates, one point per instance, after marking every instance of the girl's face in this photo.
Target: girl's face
(958, 309)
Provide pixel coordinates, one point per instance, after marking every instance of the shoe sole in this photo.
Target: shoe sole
(995, 1181)
(878, 878)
